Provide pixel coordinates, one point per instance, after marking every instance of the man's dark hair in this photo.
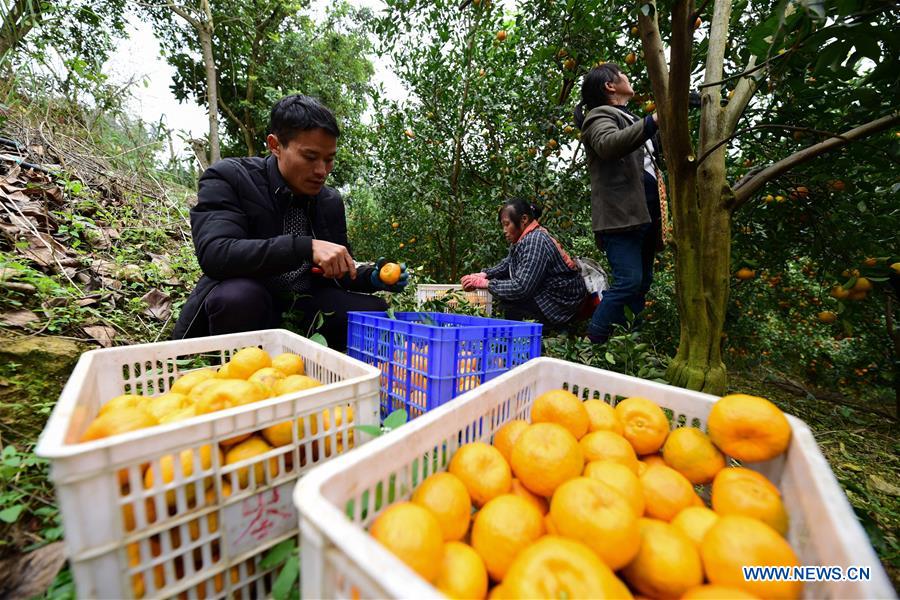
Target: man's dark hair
(593, 89)
(296, 113)
(518, 208)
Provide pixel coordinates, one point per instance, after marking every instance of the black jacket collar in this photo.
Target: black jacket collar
(279, 191)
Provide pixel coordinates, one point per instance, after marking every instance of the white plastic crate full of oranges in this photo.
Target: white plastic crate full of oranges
(178, 486)
(558, 480)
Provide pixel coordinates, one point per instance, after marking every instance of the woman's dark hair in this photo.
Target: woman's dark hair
(296, 113)
(517, 209)
(593, 89)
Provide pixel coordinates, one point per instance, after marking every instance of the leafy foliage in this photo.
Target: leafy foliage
(265, 50)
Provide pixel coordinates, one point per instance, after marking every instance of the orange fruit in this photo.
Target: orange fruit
(413, 534)
(267, 377)
(186, 459)
(166, 404)
(745, 273)
(219, 394)
(666, 492)
(598, 516)
(280, 434)
(545, 456)
(185, 383)
(462, 573)
(133, 551)
(645, 424)
(556, 567)
(115, 422)
(483, 471)
(289, 363)
(648, 461)
(746, 495)
(602, 417)
(248, 361)
(549, 525)
(187, 412)
(448, 500)
(562, 407)
(748, 428)
(606, 445)
(212, 519)
(295, 383)
(862, 285)
(732, 473)
(667, 564)
(128, 516)
(736, 541)
(123, 401)
(504, 527)
(520, 490)
(694, 522)
(690, 452)
(254, 446)
(620, 478)
(389, 273)
(507, 435)
(710, 591)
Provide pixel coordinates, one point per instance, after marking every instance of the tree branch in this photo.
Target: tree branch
(743, 92)
(230, 114)
(655, 55)
(751, 185)
(718, 43)
(748, 71)
(183, 14)
(17, 22)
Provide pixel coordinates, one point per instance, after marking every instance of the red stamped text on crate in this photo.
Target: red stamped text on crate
(252, 521)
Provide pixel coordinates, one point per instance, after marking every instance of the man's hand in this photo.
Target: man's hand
(334, 259)
(378, 284)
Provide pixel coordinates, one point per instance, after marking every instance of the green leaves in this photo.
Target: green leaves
(286, 584)
(395, 420)
(278, 554)
(11, 514)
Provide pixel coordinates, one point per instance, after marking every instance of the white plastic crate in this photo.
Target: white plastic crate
(427, 291)
(339, 500)
(126, 541)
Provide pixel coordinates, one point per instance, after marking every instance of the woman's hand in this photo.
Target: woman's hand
(474, 281)
(655, 117)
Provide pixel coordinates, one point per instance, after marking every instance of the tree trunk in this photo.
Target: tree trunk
(18, 20)
(702, 282)
(212, 100)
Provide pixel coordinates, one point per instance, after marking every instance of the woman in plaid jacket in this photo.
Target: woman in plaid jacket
(538, 280)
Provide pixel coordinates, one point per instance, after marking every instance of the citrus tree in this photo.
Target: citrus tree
(776, 47)
(488, 117)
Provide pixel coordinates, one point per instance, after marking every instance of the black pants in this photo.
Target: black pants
(523, 309)
(242, 304)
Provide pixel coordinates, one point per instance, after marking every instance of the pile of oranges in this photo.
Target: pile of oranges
(250, 376)
(591, 501)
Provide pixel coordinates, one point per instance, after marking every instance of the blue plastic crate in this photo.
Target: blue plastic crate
(428, 358)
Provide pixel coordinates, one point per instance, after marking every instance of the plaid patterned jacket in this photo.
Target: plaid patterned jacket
(535, 269)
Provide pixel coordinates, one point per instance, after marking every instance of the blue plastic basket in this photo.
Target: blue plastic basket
(428, 358)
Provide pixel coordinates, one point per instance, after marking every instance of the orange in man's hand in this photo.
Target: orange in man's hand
(389, 273)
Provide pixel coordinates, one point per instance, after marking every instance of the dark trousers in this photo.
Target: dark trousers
(521, 310)
(242, 304)
(630, 254)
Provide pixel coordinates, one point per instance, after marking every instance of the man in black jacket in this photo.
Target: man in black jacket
(271, 238)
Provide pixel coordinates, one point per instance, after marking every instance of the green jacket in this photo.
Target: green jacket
(615, 161)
